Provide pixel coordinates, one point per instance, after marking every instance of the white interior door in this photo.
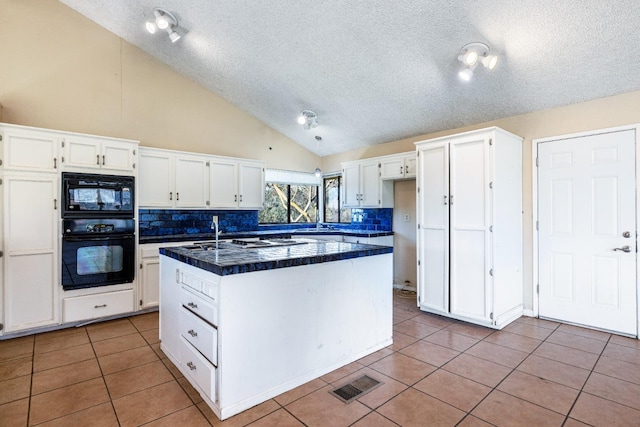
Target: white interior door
(587, 220)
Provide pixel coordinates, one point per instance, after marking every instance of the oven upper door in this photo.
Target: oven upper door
(90, 195)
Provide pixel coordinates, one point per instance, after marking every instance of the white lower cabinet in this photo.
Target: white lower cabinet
(30, 261)
(98, 305)
(198, 369)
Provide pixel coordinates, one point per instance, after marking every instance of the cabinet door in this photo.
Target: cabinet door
(433, 227)
(369, 185)
(469, 221)
(251, 185)
(28, 150)
(392, 168)
(191, 182)
(410, 166)
(351, 185)
(31, 251)
(81, 152)
(223, 183)
(118, 156)
(155, 179)
(150, 283)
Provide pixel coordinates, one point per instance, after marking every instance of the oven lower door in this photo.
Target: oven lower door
(90, 261)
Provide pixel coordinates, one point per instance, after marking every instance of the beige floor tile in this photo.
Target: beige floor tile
(110, 329)
(498, 354)
(16, 348)
(54, 335)
(401, 340)
(96, 416)
(403, 368)
(473, 331)
(14, 414)
(340, 373)
(62, 376)
(300, 391)
(15, 368)
(374, 420)
(623, 353)
(570, 356)
(379, 395)
(513, 341)
(578, 342)
(188, 417)
(150, 404)
(191, 392)
(541, 323)
(453, 389)
(279, 418)
(246, 417)
(401, 316)
(144, 322)
(430, 353)
(471, 421)
(157, 350)
(596, 411)
(414, 408)
(127, 359)
(618, 369)
(584, 332)
(574, 423)
(172, 368)
(66, 356)
(67, 400)
(614, 389)
(624, 341)
(14, 389)
(320, 408)
(479, 370)
(433, 320)
(414, 329)
(59, 341)
(374, 357)
(449, 339)
(548, 394)
(135, 379)
(527, 330)
(558, 372)
(152, 336)
(501, 409)
(118, 344)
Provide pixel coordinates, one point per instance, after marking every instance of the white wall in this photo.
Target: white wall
(404, 236)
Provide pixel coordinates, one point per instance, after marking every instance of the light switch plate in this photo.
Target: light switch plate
(406, 217)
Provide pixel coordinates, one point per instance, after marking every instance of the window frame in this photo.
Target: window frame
(340, 179)
(317, 204)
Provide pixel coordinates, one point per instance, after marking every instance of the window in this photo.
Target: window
(289, 203)
(333, 210)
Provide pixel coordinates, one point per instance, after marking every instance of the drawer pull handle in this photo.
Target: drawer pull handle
(191, 366)
(192, 333)
(100, 306)
(192, 305)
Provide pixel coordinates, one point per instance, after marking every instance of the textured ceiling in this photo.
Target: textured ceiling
(378, 70)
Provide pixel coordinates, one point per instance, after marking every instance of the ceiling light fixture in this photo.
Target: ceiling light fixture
(164, 20)
(308, 119)
(472, 54)
(318, 173)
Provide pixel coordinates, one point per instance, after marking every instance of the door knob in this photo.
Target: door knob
(623, 249)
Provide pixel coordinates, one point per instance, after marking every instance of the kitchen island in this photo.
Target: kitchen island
(247, 324)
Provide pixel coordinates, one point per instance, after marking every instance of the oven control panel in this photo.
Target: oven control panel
(100, 228)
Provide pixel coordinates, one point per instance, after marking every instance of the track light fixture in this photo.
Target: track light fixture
(163, 20)
(472, 54)
(308, 119)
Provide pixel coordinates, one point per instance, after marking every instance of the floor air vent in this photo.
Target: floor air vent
(356, 388)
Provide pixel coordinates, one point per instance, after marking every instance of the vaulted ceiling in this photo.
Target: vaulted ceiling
(378, 70)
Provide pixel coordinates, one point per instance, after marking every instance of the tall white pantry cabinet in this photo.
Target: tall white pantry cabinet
(469, 246)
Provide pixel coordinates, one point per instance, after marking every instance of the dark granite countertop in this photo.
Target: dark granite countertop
(264, 233)
(224, 262)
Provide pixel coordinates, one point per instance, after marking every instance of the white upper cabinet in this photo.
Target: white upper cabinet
(155, 178)
(27, 149)
(191, 181)
(236, 184)
(361, 184)
(400, 166)
(97, 153)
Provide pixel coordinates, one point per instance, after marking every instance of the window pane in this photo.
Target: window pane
(304, 203)
(331, 207)
(275, 204)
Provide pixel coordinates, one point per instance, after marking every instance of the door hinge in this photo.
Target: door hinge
(1, 254)
(207, 203)
(417, 154)
(208, 164)
(0, 181)
(0, 137)
(0, 162)
(491, 228)
(491, 184)
(418, 263)
(140, 302)
(491, 315)
(538, 289)
(537, 162)
(140, 266)
(61, 159)
(490, 141)
(379, 165)
(537, 225)
(491, 272)
(1, 326)
(418, 189)
(62, 143)
(418, 226)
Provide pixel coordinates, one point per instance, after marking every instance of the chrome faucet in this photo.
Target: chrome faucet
(214, 226)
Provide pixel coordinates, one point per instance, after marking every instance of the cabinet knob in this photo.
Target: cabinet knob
(191, 366)
(192, 305)
(192, 333)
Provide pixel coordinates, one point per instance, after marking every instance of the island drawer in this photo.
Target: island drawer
(98, 305)
(198, 369)
(201, 335)
(200, 305)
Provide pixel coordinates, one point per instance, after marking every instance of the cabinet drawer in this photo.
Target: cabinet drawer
(200, 334)
(99, 305)
(198, 369)
(199, 305)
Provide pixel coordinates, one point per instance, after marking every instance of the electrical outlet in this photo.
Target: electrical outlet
(406, 217)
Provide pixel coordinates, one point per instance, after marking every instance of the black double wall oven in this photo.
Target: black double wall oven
(98, 230)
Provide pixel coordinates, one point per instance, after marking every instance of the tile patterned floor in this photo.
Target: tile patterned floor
(438, 372)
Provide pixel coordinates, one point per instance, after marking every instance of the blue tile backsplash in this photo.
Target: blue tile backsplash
(166, 222)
